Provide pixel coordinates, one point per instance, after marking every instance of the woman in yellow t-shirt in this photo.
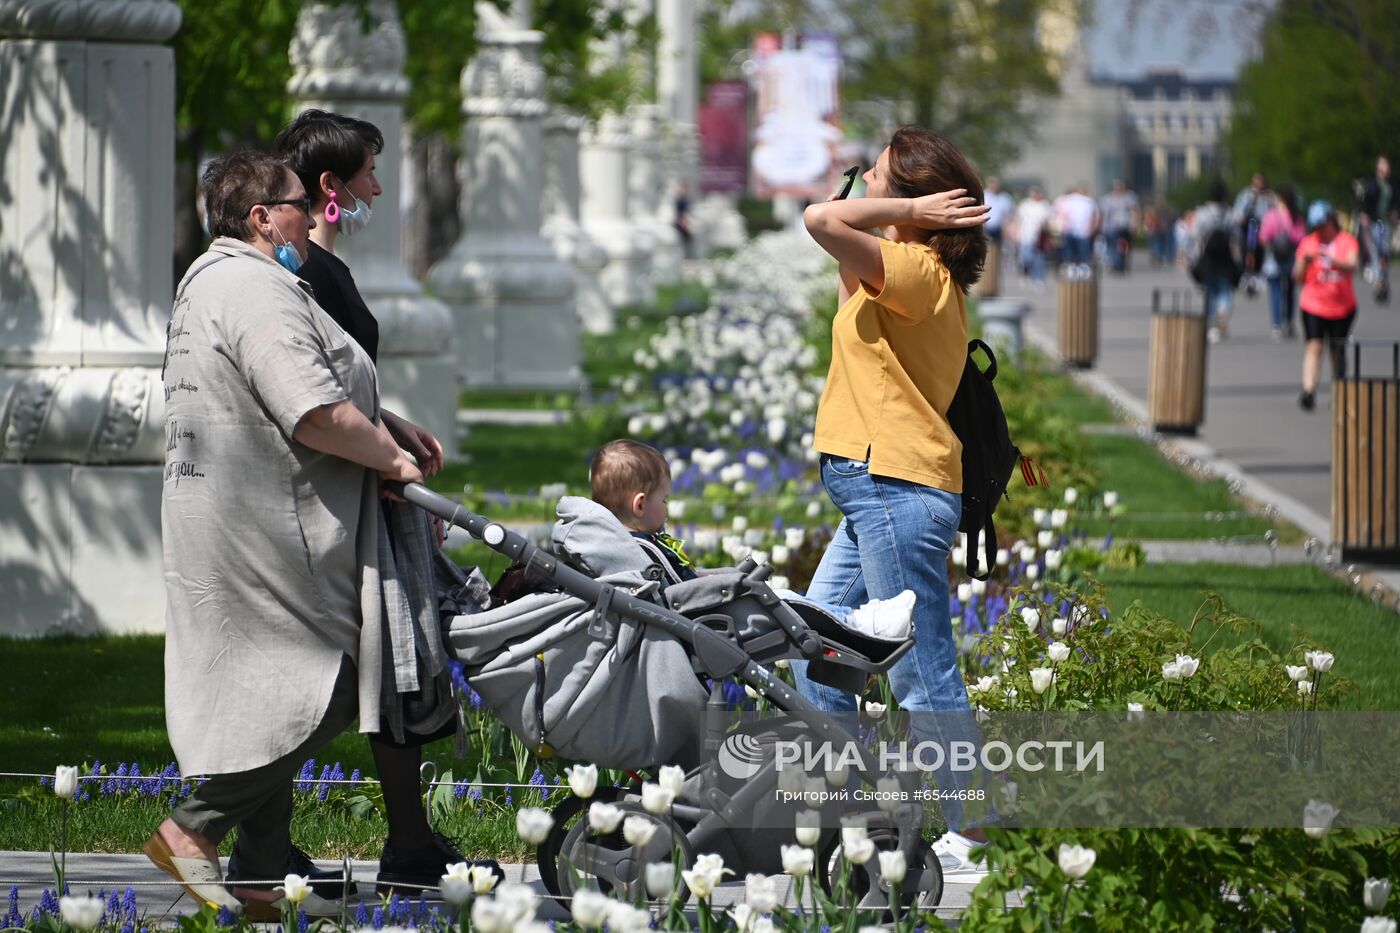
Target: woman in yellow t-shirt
(890, 462)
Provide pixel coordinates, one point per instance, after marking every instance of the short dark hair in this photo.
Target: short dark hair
(320, 141)
(623, 468)
(235, 183)
(1218, 192)
(924, 163)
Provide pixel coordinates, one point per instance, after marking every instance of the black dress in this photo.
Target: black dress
(335, 291)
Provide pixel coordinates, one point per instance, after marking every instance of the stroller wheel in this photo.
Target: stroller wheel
(572, 856)
(923, 884)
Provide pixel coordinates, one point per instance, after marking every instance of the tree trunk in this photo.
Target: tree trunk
(190, 239)
(434, 221)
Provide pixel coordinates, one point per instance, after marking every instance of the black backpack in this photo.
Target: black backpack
(988, 456)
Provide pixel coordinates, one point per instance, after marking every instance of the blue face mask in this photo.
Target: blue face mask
(285, 253)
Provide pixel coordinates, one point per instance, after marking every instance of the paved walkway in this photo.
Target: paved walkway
(33, 871)
(1254, 430)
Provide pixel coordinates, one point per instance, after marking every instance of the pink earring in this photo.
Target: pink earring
(332, 210)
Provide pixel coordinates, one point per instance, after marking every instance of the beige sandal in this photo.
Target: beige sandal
(201, 878)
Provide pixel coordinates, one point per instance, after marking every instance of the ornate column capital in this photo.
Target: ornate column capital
(85, 415)
(504, 78)
(104, 20)
(333, 57)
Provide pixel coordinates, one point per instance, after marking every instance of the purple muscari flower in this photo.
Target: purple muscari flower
(322, 788)
(131, 785)
(48, 903)
(12, 915)
(302, 922)
(112, 909)
(129, 927)
(955, 608)
(355, 776)
(459, 790)
(476, 701)
(510, 800)
(421, 908)
(118, 782)
(734, 695)
(377, 919)
(1108, 541)
(227, 918)
(362, 915)
(308, 771)
(538, 782)
(459, 676)
(474, 794)
(398, 910)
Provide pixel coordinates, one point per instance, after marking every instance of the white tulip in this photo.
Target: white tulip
(583, 779)
(890, 793)
(1059, 518)
(1058, 651)
(761, 893)
(756, 460)
(744, 916)
(638, 830)
(985, 684)
(1031, 617)
(454, 889)
(809, 825)
(590, 908)
(1296, 673)
(1003, 557)
(1028, 554)
(858, 851)
(798, 861)
(1378, 925)
(65, 781)
(1110, 499)
(675, 509)
(959, 556)
(1076, 860)
(1033, 573)
(1041, 678)
(295, 888)
(660, 879)
(712, 865)
(1044, 539)
(740, 524)
(519, 901)
(672, 778)
(1318, 817)
(794, 538)
(853, 833)
(1041, 517)
(489, 915)
(875, 711)
(781, 555)
(603, 817)
(482, 878)
(814, 509)
(1171, 671)
(80, 913)
(1053, 559)
(624, 918)
(533, 824)
(964, 593)
(893, 866)
(1135, 711)
(979, 587)
(1320, 661)
(1187, 665)
(1059, 626)
(1071, 496)
(1305, 688)
(656, 799)
(1375, 894)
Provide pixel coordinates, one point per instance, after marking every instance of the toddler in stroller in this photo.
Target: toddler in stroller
(609, 669)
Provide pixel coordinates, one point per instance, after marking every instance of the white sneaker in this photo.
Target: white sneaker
(1213, 335)
(954, 852)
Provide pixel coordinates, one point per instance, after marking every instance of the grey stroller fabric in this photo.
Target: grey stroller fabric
(591, 687)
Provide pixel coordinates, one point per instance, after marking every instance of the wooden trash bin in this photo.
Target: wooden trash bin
(1366, 457)
(990, 282)
(1078, 328)
(1176, 368)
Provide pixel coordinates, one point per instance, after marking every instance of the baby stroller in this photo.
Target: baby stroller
(604, 667)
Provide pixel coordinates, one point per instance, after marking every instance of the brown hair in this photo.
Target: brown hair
(924, 163)
(623, 468)
(234, 184)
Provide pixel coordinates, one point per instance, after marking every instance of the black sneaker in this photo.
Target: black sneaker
(325, 882)
(1306, 401)
(416, 870)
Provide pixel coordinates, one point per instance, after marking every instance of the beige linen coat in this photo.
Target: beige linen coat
(269, 545)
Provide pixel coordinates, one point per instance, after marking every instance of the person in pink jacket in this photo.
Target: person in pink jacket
(1279, 234)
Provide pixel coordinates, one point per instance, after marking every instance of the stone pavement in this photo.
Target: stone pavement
(33, 871)
(1254, 430)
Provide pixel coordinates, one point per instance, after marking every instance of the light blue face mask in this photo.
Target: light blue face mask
(285, 253)
(352, 222)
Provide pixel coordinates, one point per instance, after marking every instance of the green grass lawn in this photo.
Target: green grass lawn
(1287, 602)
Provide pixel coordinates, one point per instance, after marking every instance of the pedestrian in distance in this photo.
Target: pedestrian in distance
(1326, 261)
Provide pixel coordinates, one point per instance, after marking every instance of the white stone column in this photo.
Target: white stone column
(650, 203)
(678, 94)
(87, 162)
(561, 225)
(605, 169)
(512, 298)
(341, 68)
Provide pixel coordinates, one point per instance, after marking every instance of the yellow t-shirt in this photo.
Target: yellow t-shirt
(896, 360)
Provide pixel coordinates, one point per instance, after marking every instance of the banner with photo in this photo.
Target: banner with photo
(724, 137)
(798, 120)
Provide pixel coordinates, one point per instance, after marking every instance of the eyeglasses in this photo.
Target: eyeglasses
(304, 204)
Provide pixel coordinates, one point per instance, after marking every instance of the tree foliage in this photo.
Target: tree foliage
(1323, 99)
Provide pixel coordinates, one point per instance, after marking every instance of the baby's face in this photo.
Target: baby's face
(652, 516)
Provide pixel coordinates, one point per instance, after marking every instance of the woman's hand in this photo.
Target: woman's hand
(948, 210)
(418, 441)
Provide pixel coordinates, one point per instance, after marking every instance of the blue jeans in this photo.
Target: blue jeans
(896, 535)
(1219, 292)
(1033, 263)
(1076, 248)
(1281, 299)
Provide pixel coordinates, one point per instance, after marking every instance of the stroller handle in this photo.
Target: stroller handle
(720, 656)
